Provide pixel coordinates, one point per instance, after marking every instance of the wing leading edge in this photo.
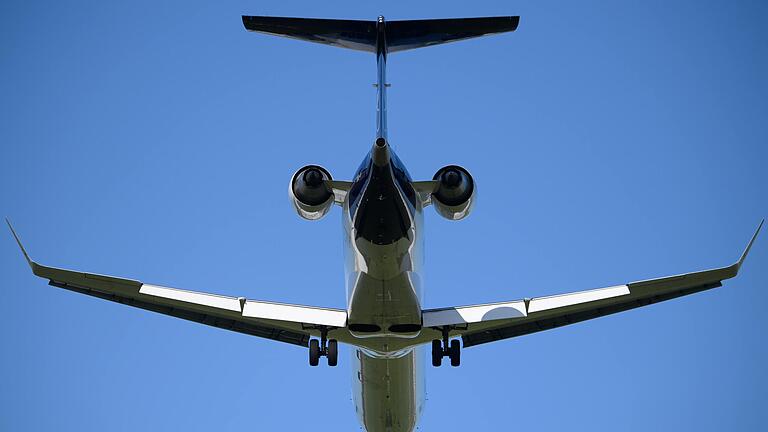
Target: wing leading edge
(292, 324)
(481, 324)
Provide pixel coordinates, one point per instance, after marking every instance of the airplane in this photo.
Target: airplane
(382, 211)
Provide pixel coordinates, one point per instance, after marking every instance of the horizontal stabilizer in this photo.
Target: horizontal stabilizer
(357, 35)
(362, 35)
(405, 35)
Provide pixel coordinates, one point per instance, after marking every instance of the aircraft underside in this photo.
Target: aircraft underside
(384, 322)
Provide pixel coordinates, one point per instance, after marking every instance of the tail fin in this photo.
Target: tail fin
(361, 35)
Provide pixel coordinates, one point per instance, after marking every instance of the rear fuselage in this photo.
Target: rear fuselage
(383, 251)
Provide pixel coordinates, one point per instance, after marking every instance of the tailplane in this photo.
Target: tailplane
(361, 35)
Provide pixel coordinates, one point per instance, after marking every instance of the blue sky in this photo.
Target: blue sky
(611, 141)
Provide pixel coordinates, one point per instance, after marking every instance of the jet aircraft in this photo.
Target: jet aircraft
(382, 212)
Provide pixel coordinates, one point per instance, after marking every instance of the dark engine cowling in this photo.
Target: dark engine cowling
(454, 195)
(311, 196)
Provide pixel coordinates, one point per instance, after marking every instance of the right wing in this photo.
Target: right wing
(292, 324)
(481, 324)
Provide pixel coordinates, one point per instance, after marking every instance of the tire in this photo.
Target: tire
(314, 352)
(437, 353)
(455, 352)
(333, 352)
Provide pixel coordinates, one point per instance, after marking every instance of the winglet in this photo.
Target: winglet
(24, 251)
(749, 246)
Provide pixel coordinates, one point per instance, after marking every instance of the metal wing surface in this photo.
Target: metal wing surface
(481, 324)
(293, 324)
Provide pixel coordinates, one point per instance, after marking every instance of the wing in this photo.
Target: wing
(292, 324)
(491, 322)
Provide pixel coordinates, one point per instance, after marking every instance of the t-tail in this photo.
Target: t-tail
(381, 38)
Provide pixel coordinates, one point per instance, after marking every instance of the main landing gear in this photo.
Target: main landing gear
(323, 348)
(442, 349)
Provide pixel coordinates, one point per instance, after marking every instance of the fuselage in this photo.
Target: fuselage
(383, 256)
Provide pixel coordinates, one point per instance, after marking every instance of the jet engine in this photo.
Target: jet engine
(311, 196)
(454, 194)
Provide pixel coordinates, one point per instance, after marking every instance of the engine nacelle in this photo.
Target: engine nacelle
(454, 195)
(311, 196)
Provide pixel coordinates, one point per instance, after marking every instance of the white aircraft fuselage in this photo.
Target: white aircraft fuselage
(384, 292)
(383, 245)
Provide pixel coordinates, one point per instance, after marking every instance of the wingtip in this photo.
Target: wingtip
(749, 245)
(18, 241)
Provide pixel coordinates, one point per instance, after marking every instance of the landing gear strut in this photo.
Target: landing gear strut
(323, 348)
(442, 349)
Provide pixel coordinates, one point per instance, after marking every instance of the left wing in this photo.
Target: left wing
(491, 322)
(292, 324)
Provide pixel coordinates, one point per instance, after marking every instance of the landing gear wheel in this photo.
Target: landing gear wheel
(455, 352)
(333, 352)
(314, 352)
(437, 353)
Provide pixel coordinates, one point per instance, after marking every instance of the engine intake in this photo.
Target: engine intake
(311, 196)
(455, 194)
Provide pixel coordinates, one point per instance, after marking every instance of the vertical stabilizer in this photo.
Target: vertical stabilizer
(381, 81)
